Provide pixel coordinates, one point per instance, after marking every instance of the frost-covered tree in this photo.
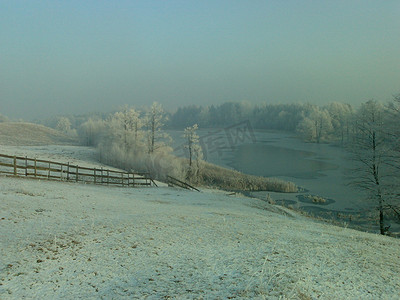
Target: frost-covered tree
(92, 131)
(306, 130)
(194, 152)
(63, 125)
(136, 143)
(127, 124)
(316, 125)
(341, 114)
(154, 122)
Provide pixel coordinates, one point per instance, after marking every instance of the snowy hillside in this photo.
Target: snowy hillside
(65, 240)
(18, 133)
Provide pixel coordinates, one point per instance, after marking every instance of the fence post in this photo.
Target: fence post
(61, 173)
(48, 172)
(94, 172)
(76, 177)
(68, 171)
(26, 165)
(35, 168)
(15, 166)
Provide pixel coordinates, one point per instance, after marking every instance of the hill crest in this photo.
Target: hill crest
(30, 134)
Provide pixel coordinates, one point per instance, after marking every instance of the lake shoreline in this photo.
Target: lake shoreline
(319, 169)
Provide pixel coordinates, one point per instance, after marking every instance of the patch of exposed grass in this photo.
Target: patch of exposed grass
(316, 199)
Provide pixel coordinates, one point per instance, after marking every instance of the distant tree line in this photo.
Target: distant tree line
(313, 123)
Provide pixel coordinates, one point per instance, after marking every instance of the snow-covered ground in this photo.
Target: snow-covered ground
(66, 240)
(75, 155)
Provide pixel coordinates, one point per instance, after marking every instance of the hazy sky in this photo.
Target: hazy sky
(59, 57)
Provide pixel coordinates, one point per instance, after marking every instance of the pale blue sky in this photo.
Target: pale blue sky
(60, 57)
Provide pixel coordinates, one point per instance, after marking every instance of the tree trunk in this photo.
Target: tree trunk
(153, 129)
(381, 222)
(375, 171)
(190, 155)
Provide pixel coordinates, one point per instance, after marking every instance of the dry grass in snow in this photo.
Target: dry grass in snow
(64, 240)
(216, 176)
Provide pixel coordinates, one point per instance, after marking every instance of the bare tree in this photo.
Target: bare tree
(392, 123)
(371, 155)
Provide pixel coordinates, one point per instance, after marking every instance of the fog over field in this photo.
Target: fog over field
(60, 57)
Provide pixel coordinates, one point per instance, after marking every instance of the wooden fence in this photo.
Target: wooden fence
(43, 169)
(175, 182)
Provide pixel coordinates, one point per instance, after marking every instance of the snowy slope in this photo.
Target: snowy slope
(19, 133)
(65, 240)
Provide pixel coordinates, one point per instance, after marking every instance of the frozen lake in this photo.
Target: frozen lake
(320, 169)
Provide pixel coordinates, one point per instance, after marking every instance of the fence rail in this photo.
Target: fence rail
(175, 182)
(43, 169)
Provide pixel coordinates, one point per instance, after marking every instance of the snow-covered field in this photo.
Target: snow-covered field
(75, 155)
(66, 240)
